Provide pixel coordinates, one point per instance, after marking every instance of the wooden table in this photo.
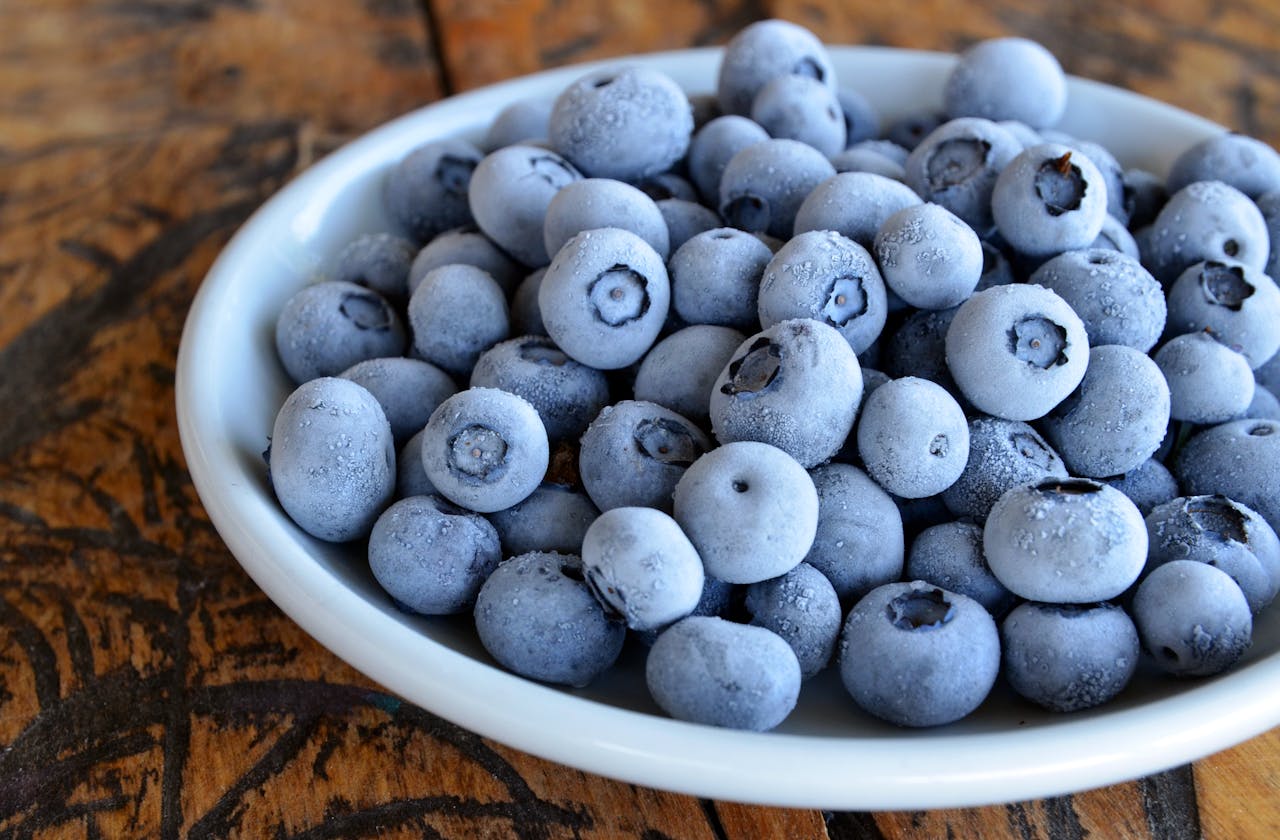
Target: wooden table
(147, 687)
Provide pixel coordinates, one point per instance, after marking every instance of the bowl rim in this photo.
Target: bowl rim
(903, 770)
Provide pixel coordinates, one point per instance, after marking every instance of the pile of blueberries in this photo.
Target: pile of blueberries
(761, 384)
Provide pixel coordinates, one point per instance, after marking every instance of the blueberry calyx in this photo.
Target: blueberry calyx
(1033, 450)
(454, 174)
(1219, 516)
(920, 609)
(810, 68)
(1039, 341)
(619, 295)
(846, 301)
(755, 371)
(667, 441)
(367, 312)
(1261, 430)
(553, 170)
(541, 351)
(1224, 285)
(1060, 185)
(939, 446)
(747, 212)
(955, 161)
(1069, 486)
(477, 452)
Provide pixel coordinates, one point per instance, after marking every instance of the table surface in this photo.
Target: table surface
(147, 687)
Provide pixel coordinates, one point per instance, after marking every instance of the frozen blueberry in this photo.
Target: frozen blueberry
(1264, 406)
(680, 371)
(1116, 419)
(526, 317)
(377, 260)
(1268, 375)
(918, 348)
(686, 219)
(485, 449)
(956, 166)
(1193, 618)
(1239, 459)
(996, 269)
(1023, 133)
(628, 123)
(426, 192)
(1269, 205)
(553, 518)
(411, 478)
(1117, 299)
(868, 160)
(763, 186)
(1112, 175)
(1237, 305)
(796, 386)
(801, 108)
(431, 556)
(802, 608)
(634, 452)
(907, 131)
(1067, 541)
(711, 671)
(1002, 454)
(1016, 351)
(749, 509)
(1144, 195)
(327, 327)
(1007, 79)
(603, 203)
(854, 204)
(928, 256)
(715, 278)
(641, 567)
(714, 146)
(407, 389)
(1049, 199)
(509, 194)
(1114, 236)
(1147, 485)
(522, 121)
(861, 120)
(332, 459)
(763, 51)
(456, 313)
(667, 185)
(829, 278)
(468, 247)
(917, 655)
(536, 616)
(1208, 381)
(912, 438)
(949, 555)
(1243, 162)
(859, 543)
(1069, 657)
(1205, 220)
(605, 297)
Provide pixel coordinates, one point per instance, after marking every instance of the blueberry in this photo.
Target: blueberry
(956, 166)
(634, 452)
(1114, 236)
(714, 146)
(603, 203)
(801, 108)
(859, 543)
(1023, 133)
(1111, 171)
(522, 121)
(1147, 485)
(686, 219)
(1208, 381)
(1144, 195)
(681, 370)
(861, 121)
(800, 606)
(1003, 454)
(711, 671)
(908, 130)
(327, 327)
(715, 278)
(1007, 79)
(377, 260)
(853, 204)
(928, 256)
(1237, 305)
(912, 437)
(1193, 618)
(509, 195)
(526, 317)
(536, 616)
(426, 192)
(763, 186)
(407, 389)
(1264, 405)
(918, 348)
(431, 556)
(411, 477)
(1269, 205)
(749, 509)
(1205, 220)
(1238, 459)
(996, 269)
(332, 459)
(949, 555)
(916, 655)
(666, 185)
(1245, 163)
(861, 159)
(553, 518)
(763, 51)
(1117, 299)
(456, 313)
(1049, 199)
(468, 247)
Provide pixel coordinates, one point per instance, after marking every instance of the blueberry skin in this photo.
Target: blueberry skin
(485, 449)
(715, 278)
(628, 123)
(1238, 459)
(1049, 199)
(996, 269)
(1264, 405)
(801, 607)
(669, 184)
(1147, 485)
(469, 247)
(711, 671)
(681, 370)
(377, 260)
(764, 185)
(1023, 133)
(1205, 220)
(641, 567)
(801, 108)
(828, 277)
(1268, 374)
(407, 389)
(853, 204)
(916, 655)
(795, 385)
(1016, 351)
(327, 327)
(1116, 419)
(913, 438)
(763, 51)
(603, 203)
(861, 120)
(1112, 174)
(1269, 205)
(634, 452)
(949, 555)
(426, 192)
(956, 166)
(714, 145)
(332, 459)
(519, 122)
(1065, 542)
(605, 297)
(432, 557)
(859, 543)
(918, 348)
(1007, 79)
(1114, 236)
(553, 518)
(536, 616)
(1144, 195)
(411, 477)
(1237, 305)
(1192, 618)
(1243, 162)
(1068, 658)
(909, 130)
(456, 313)
(749, 509)
(509, 194)
(1208, 381)
(862, 159)
(1003, 454)
(928, 256)
(686, 219)
(717, 598)
(567, 395)
(1117, 299)
(526, 317)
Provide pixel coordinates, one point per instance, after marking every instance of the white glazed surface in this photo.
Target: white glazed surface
(827, 754)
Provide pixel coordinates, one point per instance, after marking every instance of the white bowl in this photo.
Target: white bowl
(827, 754)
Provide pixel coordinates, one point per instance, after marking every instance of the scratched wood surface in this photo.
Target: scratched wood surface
(147, 687)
